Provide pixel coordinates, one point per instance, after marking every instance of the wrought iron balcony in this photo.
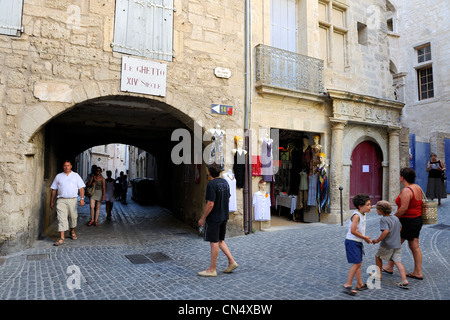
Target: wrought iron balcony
(287, 70)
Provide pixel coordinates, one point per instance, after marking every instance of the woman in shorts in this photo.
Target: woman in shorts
(409, 203)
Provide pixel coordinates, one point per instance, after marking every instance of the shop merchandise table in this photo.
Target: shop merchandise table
(286, 201)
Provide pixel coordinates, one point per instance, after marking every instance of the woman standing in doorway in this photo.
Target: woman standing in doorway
(98, 196)
(436, 185)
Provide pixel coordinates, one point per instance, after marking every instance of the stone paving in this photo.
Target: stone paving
(300, 262)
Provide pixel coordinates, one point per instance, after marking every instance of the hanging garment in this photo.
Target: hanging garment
(302, 200)
(323, 200)
(312, 194)
(232, 205)
(216, 154)
(261, 203)
(239, 168)
(256, 166)
(266, 160)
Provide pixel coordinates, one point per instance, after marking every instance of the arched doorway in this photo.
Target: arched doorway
(145, 123)
(366, 172)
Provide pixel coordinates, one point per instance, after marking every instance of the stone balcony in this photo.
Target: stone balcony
(288, 73)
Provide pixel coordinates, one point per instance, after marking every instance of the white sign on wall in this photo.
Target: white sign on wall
(143, 76)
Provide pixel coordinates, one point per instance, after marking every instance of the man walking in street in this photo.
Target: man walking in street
(215, 219)
(66, 186)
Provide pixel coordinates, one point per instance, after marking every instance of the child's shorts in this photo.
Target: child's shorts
(389, 254)
(354, 251)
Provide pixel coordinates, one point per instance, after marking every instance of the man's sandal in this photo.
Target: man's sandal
(60, 242)
(73, 236)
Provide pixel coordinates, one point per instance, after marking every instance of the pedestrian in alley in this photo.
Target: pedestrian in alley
(124, 185)
(65, 187)
(354, 243)
(109, 193)
(436, 186)
(409, 203)
(214, 220)
(96, 199)
(390, 244)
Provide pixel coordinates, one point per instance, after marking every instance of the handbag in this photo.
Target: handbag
(429, 210)
(90, 190)
(443, 176)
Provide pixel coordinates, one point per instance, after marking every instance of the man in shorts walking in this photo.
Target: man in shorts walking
(65, 187)
(215, 218)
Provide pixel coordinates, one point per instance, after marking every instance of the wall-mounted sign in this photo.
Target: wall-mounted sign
(143, 76)
(221, 109)
(222, 72)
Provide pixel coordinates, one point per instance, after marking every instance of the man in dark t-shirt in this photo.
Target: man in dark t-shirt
(215, 219)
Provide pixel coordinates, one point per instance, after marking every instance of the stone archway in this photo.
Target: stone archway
(39, 148)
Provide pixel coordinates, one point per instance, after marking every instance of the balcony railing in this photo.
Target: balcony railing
(288, 70)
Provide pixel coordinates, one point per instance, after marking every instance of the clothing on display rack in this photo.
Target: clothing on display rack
(302, 198)
(261, 203)
(267, 159)
(239, 161)
(239, 168)
(229, 177)
(323, 200)
(312, 190)
(217, 139)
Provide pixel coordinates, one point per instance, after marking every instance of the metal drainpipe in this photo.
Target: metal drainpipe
(247, 182)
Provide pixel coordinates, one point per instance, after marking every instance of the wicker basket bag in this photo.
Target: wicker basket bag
(429, 210)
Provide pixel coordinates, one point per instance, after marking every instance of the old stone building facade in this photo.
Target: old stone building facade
(348, 101)
(284, 68)
(420, 51)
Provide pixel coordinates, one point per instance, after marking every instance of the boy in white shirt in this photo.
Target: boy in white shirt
(354, 243)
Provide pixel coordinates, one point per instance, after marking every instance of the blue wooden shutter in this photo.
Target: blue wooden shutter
(144, 28)
(11, 17)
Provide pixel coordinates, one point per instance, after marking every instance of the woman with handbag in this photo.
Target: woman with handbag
(409, 211)
(97, 197)
(436, 173)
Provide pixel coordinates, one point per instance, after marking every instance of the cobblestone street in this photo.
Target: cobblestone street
(295, 262)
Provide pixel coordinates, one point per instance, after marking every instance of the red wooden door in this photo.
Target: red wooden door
(366, 172)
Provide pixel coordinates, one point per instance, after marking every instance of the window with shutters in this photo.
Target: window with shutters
(333, 34)
(144, 28)
(424, 69)
(283, 22)
(11, 17)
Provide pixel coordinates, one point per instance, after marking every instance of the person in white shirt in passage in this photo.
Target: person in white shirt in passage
(65, 187)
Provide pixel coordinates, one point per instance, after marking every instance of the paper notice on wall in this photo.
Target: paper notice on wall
(365, 168)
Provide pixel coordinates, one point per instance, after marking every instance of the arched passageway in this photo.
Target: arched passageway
(145, 123)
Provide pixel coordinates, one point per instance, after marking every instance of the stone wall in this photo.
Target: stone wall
(64, 57)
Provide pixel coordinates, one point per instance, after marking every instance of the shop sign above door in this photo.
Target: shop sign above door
(221, 109)
(143, 76)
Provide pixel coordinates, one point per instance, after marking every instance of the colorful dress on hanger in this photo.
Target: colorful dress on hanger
(323, 199)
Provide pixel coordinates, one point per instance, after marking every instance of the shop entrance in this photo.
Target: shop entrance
(295, 187)
(366, 172)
